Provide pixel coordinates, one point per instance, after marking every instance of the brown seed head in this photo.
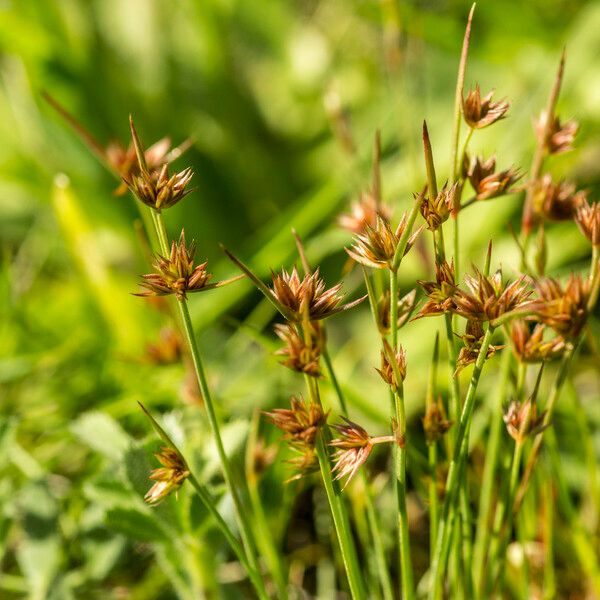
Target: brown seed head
(559, 137)
(435, 422)
(363, 214)
(176, 273)
(438, 211)
(302, 352)
(556, 201)
(563, 309)
(376, 246)
(472, 345)
(522, 420)
(353, 447)
(587, 217)
(387, 369)
(440, 293)
(168, 478)
(300, 422)
(307, 299)
(488, 297)
(486, 182)
(530, 345)
(157, 189)
(480, 112)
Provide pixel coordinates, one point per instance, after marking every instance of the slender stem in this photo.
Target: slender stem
(594, 262)
(264, 534)
(337, 506)
(374, 524)
(487, 484)
(430, 402)
(232, 484)
(548, 533)
(461, 450)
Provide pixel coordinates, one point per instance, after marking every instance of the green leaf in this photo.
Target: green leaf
(102, 434)
(137, 525)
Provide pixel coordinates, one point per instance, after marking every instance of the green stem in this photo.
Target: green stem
(232, 484)
(461, 450)
(487, 484)
(337, 506)
(374, 524)
(548, 532)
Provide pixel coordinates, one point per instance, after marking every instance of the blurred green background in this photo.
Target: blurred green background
(281, 100)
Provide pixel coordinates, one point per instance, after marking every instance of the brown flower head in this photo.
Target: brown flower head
(438, 211)
(472, 345)
(559, 137)
(435, 422)
(486, 182)
(440, 293)
(388, 369)
(300, 422)
(363, 214)
(563, 309)
(480, 112)
(302, 352)
(522, 420)
(406, 305)
(157, 189)
(353, 447)
(168, 478)
(307, 299)
(488, 297)
(556, 201)
(177, 275)
(376, 246)
(587, 217)
(530, 345)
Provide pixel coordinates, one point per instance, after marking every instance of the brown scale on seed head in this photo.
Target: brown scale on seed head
(481, 112)
(522, 420)
(376, 246)
(472, 339)
(587, 217)
(437, 211)
(387, 370)
(167, 478)
(157, 189)
(440, 293)
(301, 354)
(556, 201)
(559, 136)
(363, 214)
(488, 183)
(530, 345)
(352, 449)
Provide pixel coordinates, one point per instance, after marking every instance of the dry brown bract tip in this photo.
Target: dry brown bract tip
(387, 371)
(486, 182)
(177, 275)
(363, 214)
(480, 112)
(302, 352)
(307, 299)
(168, 478)
(488, 298)
(531, 347)
(157, 189)
(559, 137)
(353, 447)
(522, 420)
(376, 246)
(587, 217)
(563, 309)
(556, 201)
(300, 422)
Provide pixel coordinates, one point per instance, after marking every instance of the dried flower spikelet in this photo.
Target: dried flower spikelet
(376, 246)
(556, 201)
(406, 305)
(168, 350)
(263, 456)
(387, 369)
(587, 217)
(302, 352)
(307, 299)
(435, 422)
(352, 449)
(563, 309)
(124, 160)
(440, 293)
(363, 214)
(437, 212)
(559, 137)
(472, 339)
(530, 345)
(168, 478)
(300, 424)
(523, 420)
(488, 297)
(480, 112)
(157, 189)
(486, 182)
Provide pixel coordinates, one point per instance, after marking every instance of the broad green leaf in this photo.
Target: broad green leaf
(101, 433)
